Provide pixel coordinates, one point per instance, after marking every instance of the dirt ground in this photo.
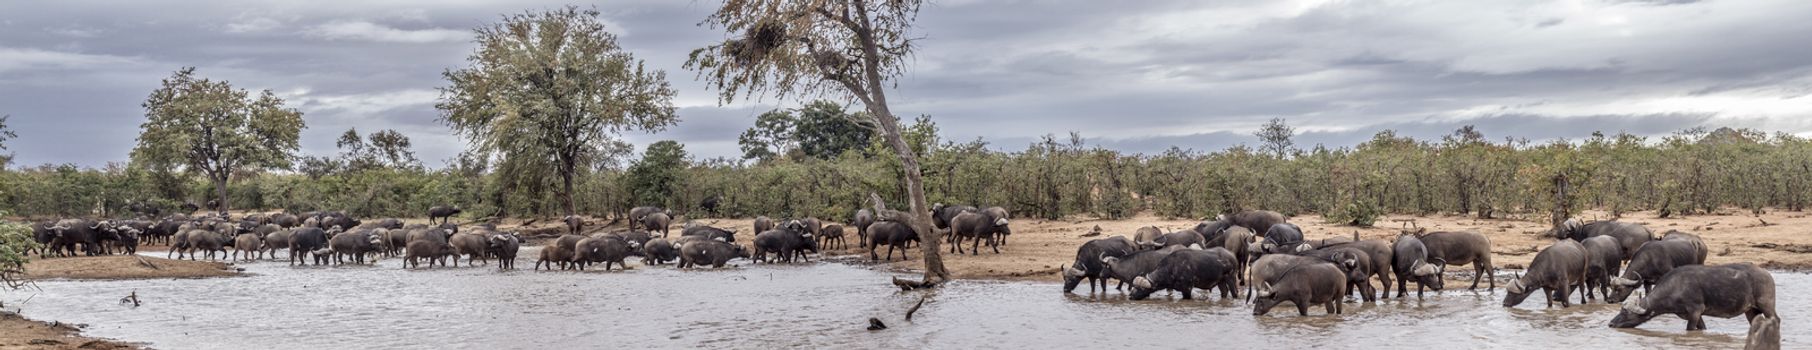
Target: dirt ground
(124, 267)
(17, 332)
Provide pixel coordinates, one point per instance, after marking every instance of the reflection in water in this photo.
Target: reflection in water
(807, 305)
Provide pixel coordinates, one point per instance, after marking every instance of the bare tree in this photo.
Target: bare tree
(842, 48)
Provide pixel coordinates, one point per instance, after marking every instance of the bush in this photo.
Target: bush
(1360, 213)
(15, 240)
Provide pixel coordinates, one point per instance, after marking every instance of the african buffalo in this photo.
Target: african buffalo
(1126, 268)
(862, 219)
(1316, 283)
(894, 235)
(1355, 262)
(1410, 259)
(433, 252)
(1255, 220)
(1187, 269)
(709, 252)
(1088, 263)
(976, 227)
(709, 232)
(1147, 236)
(1607, 261)
(1557, 270)
(1652, 261)
(305, 241)
(1693, 292)
(941, 214)
(1630, 236)
(659, 251)
(442, 212)
(1462, 248)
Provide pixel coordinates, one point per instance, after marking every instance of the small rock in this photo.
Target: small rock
(874, 324)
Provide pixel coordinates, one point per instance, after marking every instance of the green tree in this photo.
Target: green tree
(656, 177)
(845, 48)
(825, 131)
(1275, 135)
(385, 149)
(822, 129)
(771, 137)
(209, 128)
(550, 91)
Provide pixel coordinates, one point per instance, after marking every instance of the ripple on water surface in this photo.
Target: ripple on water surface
(815, 305)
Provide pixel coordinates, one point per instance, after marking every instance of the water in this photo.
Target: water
(818, 305)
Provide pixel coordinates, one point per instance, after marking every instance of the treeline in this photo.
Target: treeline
(1690, 172)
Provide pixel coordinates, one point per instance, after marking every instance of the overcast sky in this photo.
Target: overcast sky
(1139, 76)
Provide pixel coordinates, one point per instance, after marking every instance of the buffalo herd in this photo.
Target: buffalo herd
(1258, 251)
(1588, 260)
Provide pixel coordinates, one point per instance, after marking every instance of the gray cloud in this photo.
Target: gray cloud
(1141, 76)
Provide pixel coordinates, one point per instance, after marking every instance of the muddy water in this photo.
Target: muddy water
(818, 305)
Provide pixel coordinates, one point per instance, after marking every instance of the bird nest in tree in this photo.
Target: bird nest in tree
(757, 42)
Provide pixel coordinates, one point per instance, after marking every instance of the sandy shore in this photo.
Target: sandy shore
(17, 332)
(124, 267)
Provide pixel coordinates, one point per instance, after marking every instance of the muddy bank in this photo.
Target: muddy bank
(17, 332)
(124, 267)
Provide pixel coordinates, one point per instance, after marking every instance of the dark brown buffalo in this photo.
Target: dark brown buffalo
(1630, 236)
(1607, 261)
(1188, 269)
(1463, 248)
(1695, 291)
(1088, 262)
(1652, 261)
(1318, 283)
(1557, 270)
(1410, 260)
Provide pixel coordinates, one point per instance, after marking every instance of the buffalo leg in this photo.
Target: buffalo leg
(1302, 307)
(1491, 270)
(1478, 272)
(1402, 286)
